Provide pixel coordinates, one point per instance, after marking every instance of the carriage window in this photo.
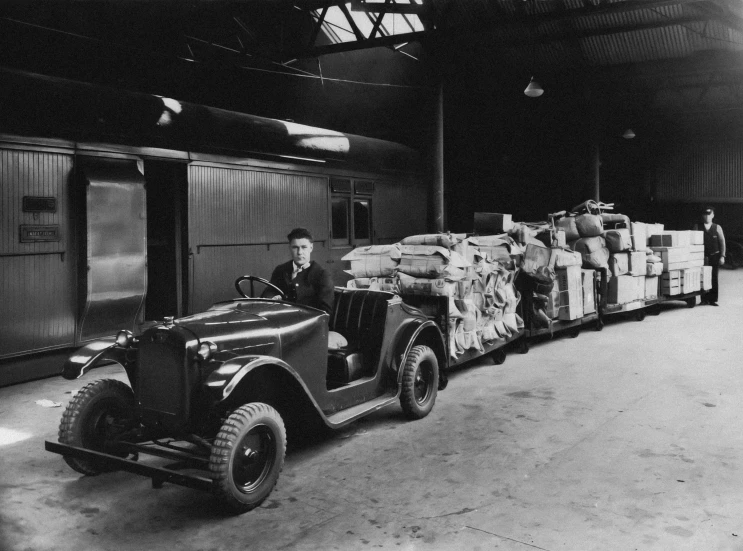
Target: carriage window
(340, 221)
(361, 221)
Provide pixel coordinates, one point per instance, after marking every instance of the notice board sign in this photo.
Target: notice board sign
(39, 204)
(31, 233)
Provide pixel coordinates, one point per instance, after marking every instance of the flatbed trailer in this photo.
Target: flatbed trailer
(437, 309)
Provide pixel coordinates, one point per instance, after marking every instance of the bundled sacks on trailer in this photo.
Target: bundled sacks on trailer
(482, 298)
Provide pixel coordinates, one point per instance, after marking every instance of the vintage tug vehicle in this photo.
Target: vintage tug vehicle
(215, 392)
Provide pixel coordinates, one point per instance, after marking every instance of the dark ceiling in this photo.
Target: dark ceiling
(680, 58)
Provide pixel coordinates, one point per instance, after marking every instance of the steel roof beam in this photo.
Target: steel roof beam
(376, 7)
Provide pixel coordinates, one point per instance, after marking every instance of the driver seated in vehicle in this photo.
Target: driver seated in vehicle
(304, 281)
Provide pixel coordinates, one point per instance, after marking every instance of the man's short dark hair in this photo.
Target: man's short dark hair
(299, 233)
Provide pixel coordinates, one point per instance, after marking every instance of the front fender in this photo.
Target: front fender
(92, 355)
(409, 335)
(227, 377)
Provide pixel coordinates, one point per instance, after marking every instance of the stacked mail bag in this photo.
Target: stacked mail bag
(482, 298)
(374, 267)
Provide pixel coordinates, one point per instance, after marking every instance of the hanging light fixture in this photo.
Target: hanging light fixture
(628, 134)
(533, 89)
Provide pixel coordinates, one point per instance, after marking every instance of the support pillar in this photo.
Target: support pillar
(437, 186)
(596, 172)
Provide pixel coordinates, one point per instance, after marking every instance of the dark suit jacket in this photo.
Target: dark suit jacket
(313, 286)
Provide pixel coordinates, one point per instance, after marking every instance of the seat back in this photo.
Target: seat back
(359, 315)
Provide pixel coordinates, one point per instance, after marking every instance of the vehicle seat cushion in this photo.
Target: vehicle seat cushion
(336, 341)
(359, 315)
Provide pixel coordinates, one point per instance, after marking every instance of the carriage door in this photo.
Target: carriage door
(351, 221)
(114, 270)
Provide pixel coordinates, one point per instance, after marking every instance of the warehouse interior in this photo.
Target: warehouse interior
(620, 439)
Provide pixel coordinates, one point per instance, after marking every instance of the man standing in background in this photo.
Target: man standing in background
(714, 251)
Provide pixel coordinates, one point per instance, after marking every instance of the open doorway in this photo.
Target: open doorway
(166, 224)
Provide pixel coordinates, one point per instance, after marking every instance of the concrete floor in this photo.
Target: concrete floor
(629, 438)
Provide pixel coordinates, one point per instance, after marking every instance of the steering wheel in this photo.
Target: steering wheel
(253, 279)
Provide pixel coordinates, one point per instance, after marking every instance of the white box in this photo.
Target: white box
(652, 287)
(637, 261)
(571, 304)
(706, 278)
(639, 236)
(569, 279)
(696, 237)
(589, 299)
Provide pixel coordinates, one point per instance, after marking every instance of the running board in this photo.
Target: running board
(351, 414)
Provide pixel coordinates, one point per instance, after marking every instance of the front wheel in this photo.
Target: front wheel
(247, 456)
(420, 381)
(99, 413)
(691, 302)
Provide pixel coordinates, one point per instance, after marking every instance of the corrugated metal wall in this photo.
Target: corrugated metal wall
(702, 172)
(399, 211)
(37, 284)
(238, 221)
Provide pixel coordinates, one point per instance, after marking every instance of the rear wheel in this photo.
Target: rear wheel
(691, 302)
(99, 413)
(523, 346)
(499, 356)
(247, 456)
(420, 381)
(640, 315)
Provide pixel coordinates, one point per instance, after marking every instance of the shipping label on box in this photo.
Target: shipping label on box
(571, 304)
(619, 264)
(622, 289)
(637, 261)
(589, 296)
(569, 279)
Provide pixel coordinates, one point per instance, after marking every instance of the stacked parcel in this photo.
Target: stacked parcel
(682, 257)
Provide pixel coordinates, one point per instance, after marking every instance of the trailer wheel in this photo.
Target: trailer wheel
(420, 381)
(499, 356)
(691, 302)
(599, 324)
(98, 413)
(640, 315)
(247, 457)
(573, 333)
(523, 346)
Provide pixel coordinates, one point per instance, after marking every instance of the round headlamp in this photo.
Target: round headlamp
(206, 350)
(124, 338)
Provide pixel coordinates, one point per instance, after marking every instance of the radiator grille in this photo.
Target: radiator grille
(163, 373)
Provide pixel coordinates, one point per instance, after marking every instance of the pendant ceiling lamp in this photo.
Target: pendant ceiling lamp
(628, 134)
(533, 89)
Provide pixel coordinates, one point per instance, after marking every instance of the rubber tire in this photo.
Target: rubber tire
(573, 333)
(640, 315)
(93, 401)
(599, 324)
(225, 450)
(523, 346)
(499, 356)
(691, 302)
(420, 359)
